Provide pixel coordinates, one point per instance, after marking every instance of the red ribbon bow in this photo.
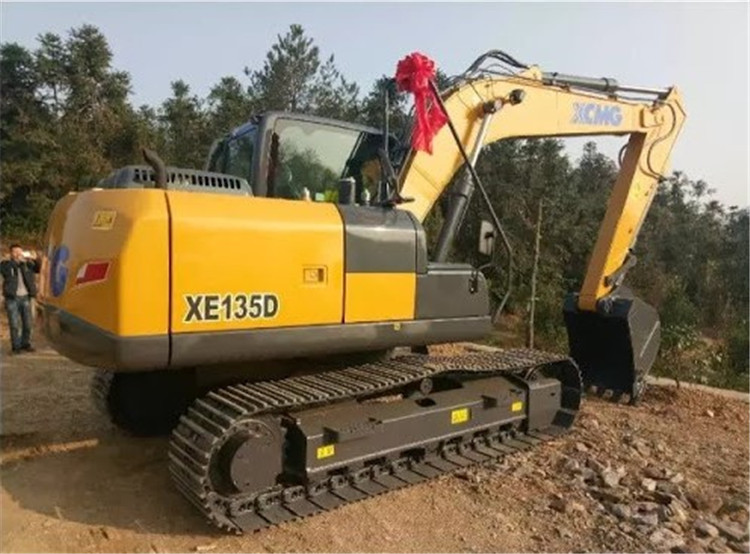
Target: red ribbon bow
(413, 74)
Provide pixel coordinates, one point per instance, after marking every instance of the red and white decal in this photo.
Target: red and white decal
(91, 272)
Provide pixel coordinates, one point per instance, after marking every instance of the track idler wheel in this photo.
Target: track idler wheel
(250, 460)
(616, 346)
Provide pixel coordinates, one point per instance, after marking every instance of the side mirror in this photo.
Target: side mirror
(486, 238)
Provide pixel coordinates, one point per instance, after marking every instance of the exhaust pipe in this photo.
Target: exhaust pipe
(157, 164)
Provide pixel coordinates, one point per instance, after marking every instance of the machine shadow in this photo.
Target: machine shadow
(106, 480)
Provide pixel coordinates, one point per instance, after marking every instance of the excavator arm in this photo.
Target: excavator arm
(549, 110)
(486, 108)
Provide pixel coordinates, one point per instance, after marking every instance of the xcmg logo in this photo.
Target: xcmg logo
(596, 114)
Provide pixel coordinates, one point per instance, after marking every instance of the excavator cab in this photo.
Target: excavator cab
(297, 156)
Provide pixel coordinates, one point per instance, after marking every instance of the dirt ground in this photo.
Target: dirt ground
(72, 482)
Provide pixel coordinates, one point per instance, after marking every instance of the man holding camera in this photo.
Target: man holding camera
(19, 287)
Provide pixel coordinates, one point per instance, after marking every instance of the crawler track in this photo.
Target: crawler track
(211, 420)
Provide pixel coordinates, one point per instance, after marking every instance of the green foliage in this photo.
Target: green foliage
(229, 105)
(65, 122)
(294, 79)
(286, 79)
(184, 127)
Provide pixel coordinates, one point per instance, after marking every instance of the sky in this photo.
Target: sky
(701, 48)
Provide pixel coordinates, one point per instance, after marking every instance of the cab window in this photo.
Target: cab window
(316, 156)
(238, 156)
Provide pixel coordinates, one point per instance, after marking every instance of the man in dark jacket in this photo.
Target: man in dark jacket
(19, 287)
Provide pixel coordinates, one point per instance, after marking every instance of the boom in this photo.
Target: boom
(535, 104)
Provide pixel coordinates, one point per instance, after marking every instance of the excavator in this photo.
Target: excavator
(274, 312)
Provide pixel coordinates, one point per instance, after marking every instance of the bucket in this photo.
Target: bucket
(616, 346)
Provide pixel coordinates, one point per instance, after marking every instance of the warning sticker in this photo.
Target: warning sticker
(460, 415)
(326, 451)
(104, 220)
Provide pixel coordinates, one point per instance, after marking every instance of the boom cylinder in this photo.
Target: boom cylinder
(464, 190)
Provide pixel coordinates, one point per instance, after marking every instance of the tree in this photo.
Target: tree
(25, 138)
(294, 79)
(229, 105)
(332, 95)
(185, 128)
(372, 106)
(51, 63)
(288, 73)
(96, 122)
(66, 122)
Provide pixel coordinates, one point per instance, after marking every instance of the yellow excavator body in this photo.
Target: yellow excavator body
(182, 270)
(129, 231)
(253, 310)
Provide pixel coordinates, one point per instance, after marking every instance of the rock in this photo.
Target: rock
(671, 489)
(558, 504)
(733, 505)
(571, 465)
(677, 478)
(646, 519)
(675, 512)
(663, 497)
(741, 517)
(580, 447)
(674, 526)
(643, 530)
(731, 531)
(470, 476)
(622, 511)
(641, 447)
(596, 465)
(205, 547)
(664, 539)
(693, 545)
(614, 496)
(576, 507)
(590, 423)
(588, 476)
(740, 546)
(660, 474)
(648, 484)
(718, 545)
(610, 478)
(645, 513)
(705, 501)
(705, 529)
(709, 413)
(566, 506)
(645, 507)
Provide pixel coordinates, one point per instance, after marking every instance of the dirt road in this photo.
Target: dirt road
(72, 482)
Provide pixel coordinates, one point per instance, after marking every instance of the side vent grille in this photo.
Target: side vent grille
(187, 179)
(141, 176)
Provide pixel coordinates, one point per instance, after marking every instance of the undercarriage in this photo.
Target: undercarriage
(250, 455)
